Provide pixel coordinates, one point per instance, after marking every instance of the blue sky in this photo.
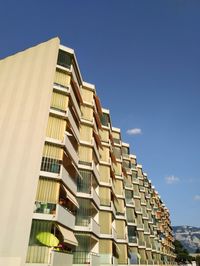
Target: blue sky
(144, 58)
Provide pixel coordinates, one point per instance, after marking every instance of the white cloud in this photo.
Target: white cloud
(171, 179)
(197, 197)
(134, 131)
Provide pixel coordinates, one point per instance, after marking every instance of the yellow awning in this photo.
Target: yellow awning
(71, 197)
(68, 236)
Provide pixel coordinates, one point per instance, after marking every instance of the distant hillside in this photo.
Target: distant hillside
(189, 236)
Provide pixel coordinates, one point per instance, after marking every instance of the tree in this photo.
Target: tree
(198, 260)
(182, 255)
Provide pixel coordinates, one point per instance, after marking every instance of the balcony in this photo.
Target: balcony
(138, 210)
(117, 141)
(71, 150)
(133, 166)
(114, 233)
(144, 214)
(86, 258)
(146, 230)
(140, 226)
(129, 201)
(75, 103)
(136, 194)
(68, 180)
(135, 180)
(60, 87)
(96, 150)
(142, 189)
(95, 259)
(73, 124)
(60, 259)
(95, 197)
(41, 255)
(132, 240)
(88, 225)
(65, 217)
(128, 185)
(37, 254)
(54, 212)
(94, 227)
(96, 172)
(108, 259)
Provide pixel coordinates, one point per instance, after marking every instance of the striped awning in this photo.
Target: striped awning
(68, 235)
(71, 197)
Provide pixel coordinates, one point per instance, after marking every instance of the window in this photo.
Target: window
(132, 234)
(59, 101)
(117, 152)
(61, 79)
(84, 184)
(51, 160)
(64, 59)
(56, 128)
(129, 196)
(105, 120)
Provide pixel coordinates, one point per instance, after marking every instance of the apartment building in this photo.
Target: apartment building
(72, 192)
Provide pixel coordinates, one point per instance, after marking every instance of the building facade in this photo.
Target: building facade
(72, 192)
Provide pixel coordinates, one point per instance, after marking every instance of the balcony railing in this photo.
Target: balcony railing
(94, 226)
(60, 258)
(50, 165)
(138, 209)
(45, 207)
(128, 185)
(64, 216)
(135, 180)
(95, 197)
(47, 255)
(133, 166)
(132, 239)
(117, 141)
(129, 201)
(87, 224)
(85, 257)
(38, 254)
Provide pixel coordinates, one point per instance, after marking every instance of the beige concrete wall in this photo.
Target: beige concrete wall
(26, 80)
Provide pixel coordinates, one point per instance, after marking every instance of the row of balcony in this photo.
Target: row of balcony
(41, 255)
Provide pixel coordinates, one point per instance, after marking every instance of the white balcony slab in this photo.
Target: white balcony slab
(64, 217)
(70, 149)
(68, 180)
(61, 259)
(73, 124)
